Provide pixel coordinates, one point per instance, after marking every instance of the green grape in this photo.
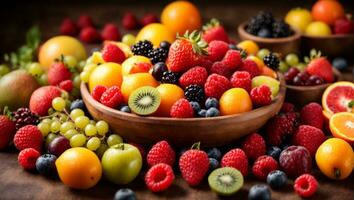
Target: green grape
(43, 79)
(51, 111)
(89, 68)
(292, 59)
(76, 113)
(114, 139)
(81, 65)
(262, 53)
(44, 128)
(90, 130)
(77, 81)
(82, 121)
(78, 140)
(64, 95)
(93, 122)
(4, 69)
(63, 118)
(35, 69)
(283, 67)
(47, 121)
(58, 104)
(70, 61)
(301, 66)
(50, 138)
(128, 39)
(93, 144)
(70, 133)
(89, 60)
(55, 126)
(55, 119)
(66, 126)
(100, 151)
(102, 127)
(85, 76)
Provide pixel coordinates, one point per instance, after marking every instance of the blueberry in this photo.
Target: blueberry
(213, 164)
(165, 45)
(211, 103)
(212, 112)
(158, 69)
(78, 103)
(277, 179)
(274, 152)
(259, 192)
(264, 33)
(125, 194)
(45, 164)
(214, 153)
(202, 113)
(125, 108)
(195, 106)
(340, 63)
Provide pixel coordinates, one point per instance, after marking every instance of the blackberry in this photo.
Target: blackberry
(281, 29)
(169, 77)
(142, 48)
(271, 60)
(260, 21)
(158, 55)
(24, 116)
(165, 45)
(194, 93)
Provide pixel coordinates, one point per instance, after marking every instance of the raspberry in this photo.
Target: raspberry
(263, 166)
(287, 107)
(89, 35)
(85, 21)
(57, 73)
(261, 96)
(68, 27)
(311, 114)
(216, 85)
(254, 146)
(217, 50)
(305, 185)
(232, 59)
(309, 137)
(237, 159)
(204, 62)
(221, 69)
(129, 21)
(242, 79)
(112, 97)
(182, 109)
(27, 158)
(112, 53)
(343, 26)
(196, 75)
(98, 91)
(66, 85)
(250, 66)
(161, 152)
(110, 32)
(28, 137)
(295, 161)
(148, 19)
(159, 177)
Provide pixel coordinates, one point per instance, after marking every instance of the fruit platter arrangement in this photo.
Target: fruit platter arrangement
(170, 102)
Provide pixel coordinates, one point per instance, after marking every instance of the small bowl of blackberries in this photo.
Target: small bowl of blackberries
(271, 33)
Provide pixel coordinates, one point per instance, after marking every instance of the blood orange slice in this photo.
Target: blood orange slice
(337, 97)
(342, 126)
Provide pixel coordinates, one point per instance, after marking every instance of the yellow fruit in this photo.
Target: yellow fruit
(249, 46)
(131, 62)
(156, 33)
(342, 126)
(97, 58)
(318, 29)
(235, 101)
(53, 48)
(79, 168)
(299, 18)
(107, 74)
(169, 94)
(134, 81)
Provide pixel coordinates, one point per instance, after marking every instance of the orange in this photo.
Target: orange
(180, 16)
(258, 61)
(107, 74)
(129, 64)
(342, 126)
(79, 168)
(327, 11)
(249, 46)
(235, 101)
(337, 96)
(269, 72)
(335, 158)
(156, 33)
(60, 45)
(169, 94)
(134, 81)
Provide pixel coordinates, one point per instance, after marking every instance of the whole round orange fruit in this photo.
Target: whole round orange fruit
(134, 81)
(169, 94)
(180, 16)
(60, 45)
(342, 126)
(79, 168)
(107, 74)
(327, 11)
(335, 158)
(156, 33)
(235, 101)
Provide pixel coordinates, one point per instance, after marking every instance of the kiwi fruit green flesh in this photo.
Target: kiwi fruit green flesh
(225, 181)
(144, 100)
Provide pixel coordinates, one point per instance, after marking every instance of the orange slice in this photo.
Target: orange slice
(342, 126)
(338, 96)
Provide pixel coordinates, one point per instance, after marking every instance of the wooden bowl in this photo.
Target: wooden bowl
(284, 46)
(302, 95)
(214, 131)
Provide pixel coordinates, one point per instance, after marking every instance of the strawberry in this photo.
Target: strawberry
(161, 152)
(110, 32)
(185, 52)
(85, 21)
(149, 19)
(57, 73)
(214, 31)
(129, 21)
(68, 27)
(89, 35)
(320, 66)
(7, 131)
(66, 85)
(112, 53)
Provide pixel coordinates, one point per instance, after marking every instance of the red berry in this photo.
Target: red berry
(217, 50)
(129, 21)
(249, 66)
(232, 59)
(112, 53)
(322, 68)
(159, 177)
(216, 85)
(149, 19)
(66, 85)
(237, 159)
(68, 27)
(85, 21)
(263, 166)
(305, 185)
(311, 114)
(182, 109)
(41, 99)
(309, 137)
(90, 35)
(98, 91)
(57, 73)
(295, 161)
(112, 97)
(343, 26)
(161, 152)
(221, 69)
(241, 79)
(254, 146)
(203, 61)
(27, 158)
(214, 31)
(110, 32)
(194, 76)
(287, 107)
(28, 137)
(261, 96)
(7, 131)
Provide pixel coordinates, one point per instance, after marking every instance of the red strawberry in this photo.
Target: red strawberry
(7, 131)
(343, 26)
(90, 35)
(129, 21)
(28, 137)
(66, 85)
(254, 146)
(194, 165)
(85, 21)
(110, 32)
(182, 109)
(221, 69)
(216, 85)
(249, 66)
(237, 159)
(161, 152)
(214, 31)
(68, 27)
(112, 53)
(311, 114)
(309, 137)
(185, 52)
(148, 19)
(232, 59)
(112, 97)
(41, 99)
(217, 50)
(196, 75)
(242, 79)
(321, 67)
(57, 73)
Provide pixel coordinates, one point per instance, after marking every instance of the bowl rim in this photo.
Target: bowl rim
(85, 94)
(332, 36)
(242, 31)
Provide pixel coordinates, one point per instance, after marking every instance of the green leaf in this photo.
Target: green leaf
(33, 37)
(351, 104)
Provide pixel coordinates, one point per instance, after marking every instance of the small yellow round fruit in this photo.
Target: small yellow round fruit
(249, 46)
(156, 33)
(299, 18)
(318, 29)
(134, 81)
(107, 74)
(235, 101)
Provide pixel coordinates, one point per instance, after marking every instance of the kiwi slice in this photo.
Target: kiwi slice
(145, 100)
(225, 181)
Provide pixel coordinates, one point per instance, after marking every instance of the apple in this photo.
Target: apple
(121, 163)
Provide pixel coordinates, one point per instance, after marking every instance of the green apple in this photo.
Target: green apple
(121, 163)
